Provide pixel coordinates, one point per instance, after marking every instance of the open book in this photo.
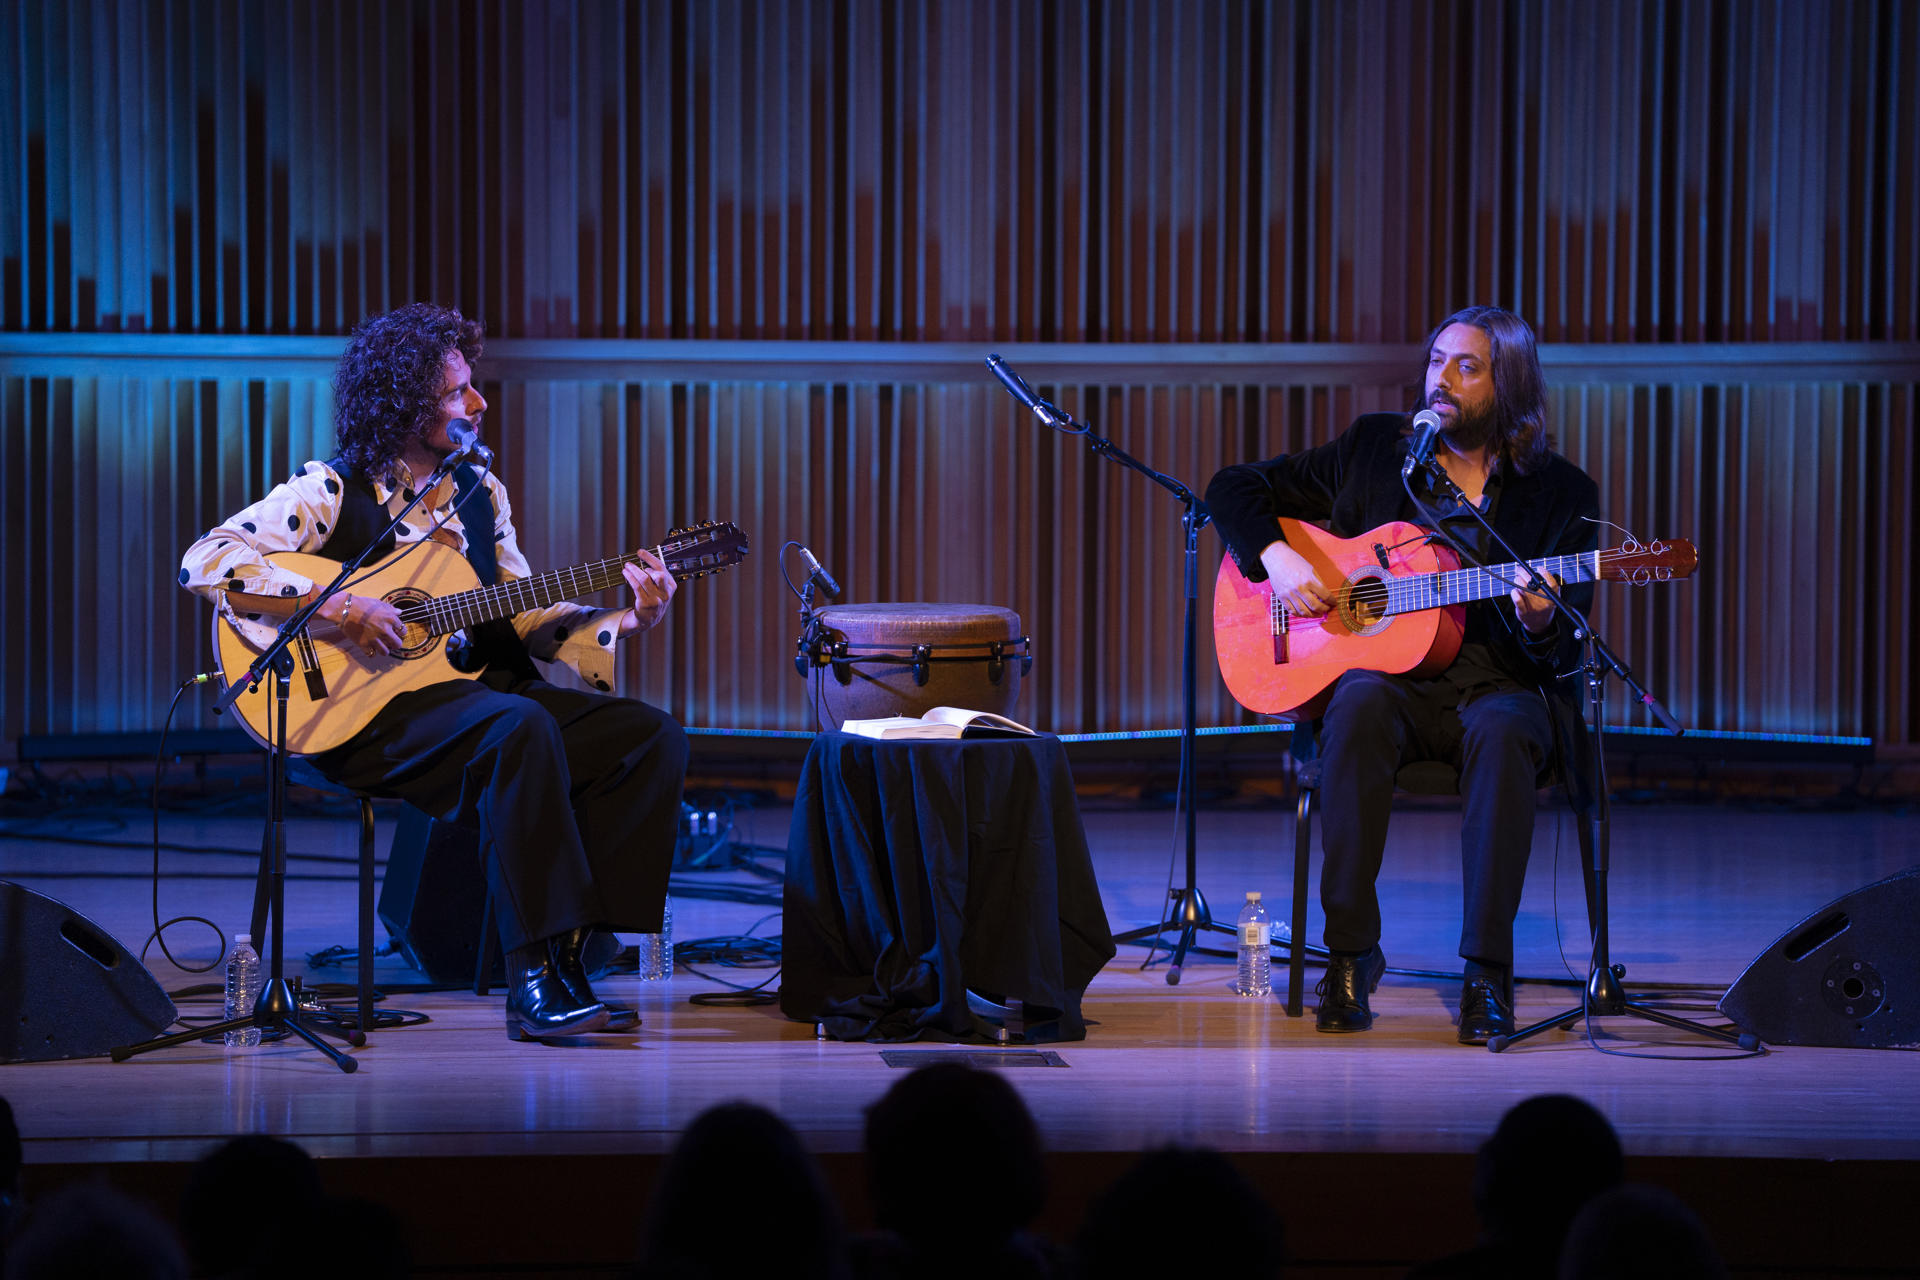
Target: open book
(941, 722)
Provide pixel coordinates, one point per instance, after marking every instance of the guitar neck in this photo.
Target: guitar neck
(483, 604)
(1459, 586)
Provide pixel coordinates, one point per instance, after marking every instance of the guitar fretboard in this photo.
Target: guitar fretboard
(1419, 591)
(444, 615)
(1459, 586)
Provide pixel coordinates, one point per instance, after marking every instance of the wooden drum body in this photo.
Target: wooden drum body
(864, 661)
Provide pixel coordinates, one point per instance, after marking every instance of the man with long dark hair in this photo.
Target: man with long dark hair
(1492, 713)
(574, 793)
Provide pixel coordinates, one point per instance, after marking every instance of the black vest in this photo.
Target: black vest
(493, 643)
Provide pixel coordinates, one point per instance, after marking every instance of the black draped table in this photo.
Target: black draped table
(918, 871)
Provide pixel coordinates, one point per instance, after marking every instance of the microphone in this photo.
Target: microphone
(461, 432)
(1018, 388)
(1426, 429)
(816, 574)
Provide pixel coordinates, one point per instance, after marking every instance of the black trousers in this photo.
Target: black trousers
(1499, 741)
(575, 795)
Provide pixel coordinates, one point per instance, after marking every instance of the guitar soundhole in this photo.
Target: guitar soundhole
(420, 638)
(1363, 604)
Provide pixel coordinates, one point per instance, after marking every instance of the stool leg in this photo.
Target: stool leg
(1297, 948)
(484, 951)
(366, 914)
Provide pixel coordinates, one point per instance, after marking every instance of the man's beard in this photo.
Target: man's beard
(1467, 431)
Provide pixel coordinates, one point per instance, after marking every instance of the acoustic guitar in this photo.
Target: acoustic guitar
(337, 688)
(1400, 601)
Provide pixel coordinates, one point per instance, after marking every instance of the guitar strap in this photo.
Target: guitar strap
(493, 643)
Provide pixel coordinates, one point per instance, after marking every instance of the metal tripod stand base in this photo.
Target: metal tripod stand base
(1606, 998)
(1190, 916)
(275, 1010)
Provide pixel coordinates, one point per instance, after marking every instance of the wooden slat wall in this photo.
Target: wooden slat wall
(855, 171)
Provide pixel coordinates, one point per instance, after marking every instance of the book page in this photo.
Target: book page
(978, 720)
(900, 727)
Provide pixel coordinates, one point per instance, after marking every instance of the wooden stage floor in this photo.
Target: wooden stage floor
(1802, 1160)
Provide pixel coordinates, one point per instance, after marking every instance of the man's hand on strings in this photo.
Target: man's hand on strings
(1535, 610)
(1293, 580)
(653, 589)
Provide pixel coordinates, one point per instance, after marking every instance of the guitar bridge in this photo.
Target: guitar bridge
(1280, 622)
(310, 669)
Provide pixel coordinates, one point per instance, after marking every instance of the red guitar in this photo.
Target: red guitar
(1399, 607)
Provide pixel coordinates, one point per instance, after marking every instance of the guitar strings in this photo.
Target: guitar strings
(1418, 591)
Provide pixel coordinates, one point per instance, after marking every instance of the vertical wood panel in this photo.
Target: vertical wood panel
(1061, 170)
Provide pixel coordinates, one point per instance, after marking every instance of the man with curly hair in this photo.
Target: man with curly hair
(1493, 715)
(574, 794)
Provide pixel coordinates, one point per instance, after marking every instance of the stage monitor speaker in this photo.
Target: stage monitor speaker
(1847, 976)
(434, 896)
(67, 989)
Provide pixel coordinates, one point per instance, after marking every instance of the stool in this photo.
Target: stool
(1421, 778)
(301, 773)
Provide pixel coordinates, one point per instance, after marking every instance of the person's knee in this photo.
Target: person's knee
(1364, 707)
(673, 747)
(653, 736)
(523, 730)
(1519, 732)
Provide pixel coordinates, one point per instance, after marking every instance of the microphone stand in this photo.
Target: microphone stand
(277, 1008)
(1187, 907)
(1603, 995)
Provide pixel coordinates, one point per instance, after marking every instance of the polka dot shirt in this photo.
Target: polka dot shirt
(228, 564)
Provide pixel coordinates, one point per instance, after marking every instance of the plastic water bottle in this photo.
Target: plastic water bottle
(1256, 949)
(656, 949)
(243, 988)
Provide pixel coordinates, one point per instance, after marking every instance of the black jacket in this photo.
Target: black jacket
(1352, 484)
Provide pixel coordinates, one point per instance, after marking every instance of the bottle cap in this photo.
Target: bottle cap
(1253, 895)
(243, 937)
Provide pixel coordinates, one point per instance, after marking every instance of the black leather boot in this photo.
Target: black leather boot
(1344, 991)
(539, 1005)
(1486, 1005)
(568, 948)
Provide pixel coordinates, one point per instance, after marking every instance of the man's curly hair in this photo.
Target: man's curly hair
(388, 384)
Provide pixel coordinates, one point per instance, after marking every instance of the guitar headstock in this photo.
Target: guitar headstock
(701, 549)
(1639, 563)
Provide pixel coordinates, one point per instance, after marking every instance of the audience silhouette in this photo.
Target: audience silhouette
(956, 1174)
(693, 1226)
(1637, 1232)
(9, 1176)
(1126, 1229)
(249, 1208)
(1548, 1157)
(88, 1231)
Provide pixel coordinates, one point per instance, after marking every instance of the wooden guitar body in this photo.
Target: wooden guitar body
(337, 688)
(1291, 674)
(1399, 607)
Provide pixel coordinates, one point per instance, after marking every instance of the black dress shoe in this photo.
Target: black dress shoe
(1484, 1010)
(568, 948)
(1343, 992)
(539, 1005)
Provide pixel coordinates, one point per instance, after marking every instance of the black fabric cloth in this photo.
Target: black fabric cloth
(575, 795)
(1498, 715)
(919, 870)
